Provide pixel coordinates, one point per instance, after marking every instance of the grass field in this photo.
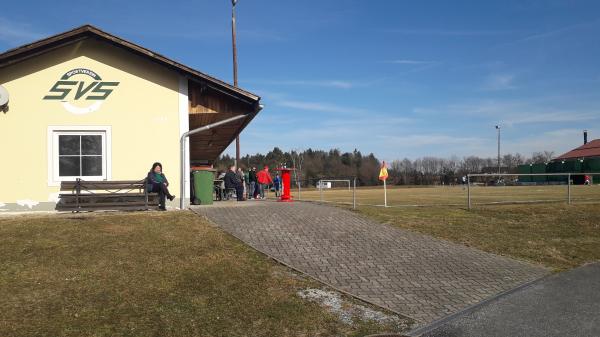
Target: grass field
(149, 274)
(553, 234)
(456, 195)
(172, 274)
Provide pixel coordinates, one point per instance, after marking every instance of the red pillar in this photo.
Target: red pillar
(286, 181)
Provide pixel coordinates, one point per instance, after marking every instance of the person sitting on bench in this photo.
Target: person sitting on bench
(158, 183)
(232, 181)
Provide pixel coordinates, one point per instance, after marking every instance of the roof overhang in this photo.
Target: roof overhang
(201, 148)
(34, 49)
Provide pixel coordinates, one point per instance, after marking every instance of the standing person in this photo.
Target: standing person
(232, 181)
(221, 177)
(277, 185)
(264, 179)
(253, 183)
(247, 191)
(157, 182)
(240, 173)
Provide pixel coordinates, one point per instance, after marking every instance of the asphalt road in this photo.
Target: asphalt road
(565, 304)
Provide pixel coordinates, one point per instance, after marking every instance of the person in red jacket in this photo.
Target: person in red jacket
(264, 179)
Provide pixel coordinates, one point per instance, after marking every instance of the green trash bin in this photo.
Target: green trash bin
(203, 186)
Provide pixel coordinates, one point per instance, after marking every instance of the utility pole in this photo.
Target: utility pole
(498, 128)
(235, 75)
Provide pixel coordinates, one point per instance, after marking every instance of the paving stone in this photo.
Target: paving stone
(413, 274)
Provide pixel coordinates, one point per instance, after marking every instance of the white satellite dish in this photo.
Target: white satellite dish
(3, 99)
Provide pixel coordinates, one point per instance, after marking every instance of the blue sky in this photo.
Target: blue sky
(397, 78)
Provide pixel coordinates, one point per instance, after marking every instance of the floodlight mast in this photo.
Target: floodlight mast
(498, 128)
(235, 73)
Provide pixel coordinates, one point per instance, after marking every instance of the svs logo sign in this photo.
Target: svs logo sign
(78, 94)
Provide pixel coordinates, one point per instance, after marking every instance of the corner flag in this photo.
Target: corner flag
(383, 173)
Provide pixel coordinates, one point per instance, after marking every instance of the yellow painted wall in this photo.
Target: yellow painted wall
(142, 111)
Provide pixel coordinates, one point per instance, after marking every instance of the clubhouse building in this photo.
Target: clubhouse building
(87, 104)
(581, 160)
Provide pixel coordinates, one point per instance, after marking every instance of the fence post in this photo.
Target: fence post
(468, 192)
(354, 195)
(384, 193)
(569, 189)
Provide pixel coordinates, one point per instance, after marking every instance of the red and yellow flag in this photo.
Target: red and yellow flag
(383, 174)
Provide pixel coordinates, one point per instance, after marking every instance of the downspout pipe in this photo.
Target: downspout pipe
(183, 156)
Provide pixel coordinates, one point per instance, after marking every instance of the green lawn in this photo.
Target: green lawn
(148, 274)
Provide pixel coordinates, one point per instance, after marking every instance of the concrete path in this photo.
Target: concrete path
(565, 304)
(416, 275)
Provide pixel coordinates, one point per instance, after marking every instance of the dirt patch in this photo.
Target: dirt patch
(350, 312)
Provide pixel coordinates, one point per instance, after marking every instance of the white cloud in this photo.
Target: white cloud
(419, 140)
(558, 31)
(449, 32)
(283, 100)
(261, 35)
(498, 82)
(193, 34)
(316, 106)
(558, 141)
(371, 123)
(415, 66)
(564, 133)
(338, 84)
(552, 117)
(515, 112)
(411, 62)
(16, 33)
(552, 33)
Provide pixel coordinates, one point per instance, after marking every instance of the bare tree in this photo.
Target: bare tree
(542, 157)
(297, 159)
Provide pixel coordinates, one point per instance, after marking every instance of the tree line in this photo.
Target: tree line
(447, 171)
(312, 165)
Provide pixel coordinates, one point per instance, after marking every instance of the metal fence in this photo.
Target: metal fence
(530, 182)
(478, 190)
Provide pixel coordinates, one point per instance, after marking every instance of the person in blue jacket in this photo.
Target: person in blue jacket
(277, 185)
(157, 182)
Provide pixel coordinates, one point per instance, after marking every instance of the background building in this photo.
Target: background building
(584, 159)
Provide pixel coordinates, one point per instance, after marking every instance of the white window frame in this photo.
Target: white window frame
(54, 131)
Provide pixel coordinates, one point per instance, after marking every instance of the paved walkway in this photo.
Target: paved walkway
(412, 274)
(565, 304)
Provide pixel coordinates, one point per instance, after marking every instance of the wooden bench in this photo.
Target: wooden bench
(105, 195)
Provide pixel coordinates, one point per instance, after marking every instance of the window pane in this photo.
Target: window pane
(91, 165)
(68, 145)
(91, 145)
(68, 166)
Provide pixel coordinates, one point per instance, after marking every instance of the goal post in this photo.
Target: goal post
(321, 183)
